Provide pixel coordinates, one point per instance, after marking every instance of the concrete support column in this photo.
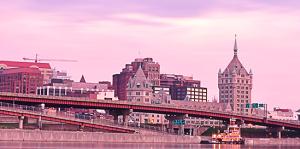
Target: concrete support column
(279, 134)
(163, 128)
(279, 130)
(116, 120)
(125, 119)
(81, 127)
(125, 113)
(181, 130)
(21, 122)
(170, 127)
(39, 122)
(25, 121)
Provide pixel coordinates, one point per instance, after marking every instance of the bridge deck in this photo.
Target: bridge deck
(149, 108)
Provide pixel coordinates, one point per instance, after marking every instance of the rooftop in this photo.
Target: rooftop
(17, 64)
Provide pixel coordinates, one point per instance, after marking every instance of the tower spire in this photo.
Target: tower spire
(235, 49)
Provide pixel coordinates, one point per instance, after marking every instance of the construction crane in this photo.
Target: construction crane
(36, 59)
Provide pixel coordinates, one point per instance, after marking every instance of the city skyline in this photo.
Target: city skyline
(196, 39)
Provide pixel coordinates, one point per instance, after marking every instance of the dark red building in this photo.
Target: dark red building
(44, 68)
(20, 80)
(150, 68)
(183, 87)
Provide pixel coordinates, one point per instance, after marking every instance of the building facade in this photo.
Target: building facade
(44, 68)
(235, 84)
(104, 95)
(140, 90)
(150, 68)
(20, 80)
(183, 87)
(283, 114)
(61, 87)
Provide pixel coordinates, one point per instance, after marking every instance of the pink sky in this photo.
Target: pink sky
(188, 37)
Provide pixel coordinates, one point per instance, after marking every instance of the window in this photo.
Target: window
(137, 93)
(147, 100)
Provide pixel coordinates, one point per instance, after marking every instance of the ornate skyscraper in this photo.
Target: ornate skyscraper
(235, 84)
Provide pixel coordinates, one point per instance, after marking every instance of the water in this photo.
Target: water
(76, 145)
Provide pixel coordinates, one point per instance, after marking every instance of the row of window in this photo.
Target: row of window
(235, 81)
(156, 69)
(196, 93)
(138, 93)
(238, 87)
(196, 89)
(138, 99)
(238, 96)
(146, 115)
(238, 91)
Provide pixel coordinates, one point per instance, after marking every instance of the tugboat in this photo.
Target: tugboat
(230, 136)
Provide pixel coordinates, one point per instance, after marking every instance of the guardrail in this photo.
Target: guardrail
(62, 115)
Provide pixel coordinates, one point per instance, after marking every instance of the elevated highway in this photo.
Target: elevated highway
(169, 109)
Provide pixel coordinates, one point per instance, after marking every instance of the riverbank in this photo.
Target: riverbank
(272, 141)
(79, 136)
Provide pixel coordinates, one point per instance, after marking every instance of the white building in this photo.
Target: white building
(283, 114)
(106, 95)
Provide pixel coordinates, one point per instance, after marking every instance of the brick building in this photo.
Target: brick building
(20, 80)
(182, 87)
(150, 68)
(235, 84)
(44, 68)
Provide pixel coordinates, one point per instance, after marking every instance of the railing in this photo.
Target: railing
(62, 115)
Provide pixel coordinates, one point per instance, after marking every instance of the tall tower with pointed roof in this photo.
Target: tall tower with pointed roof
(235, 84)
